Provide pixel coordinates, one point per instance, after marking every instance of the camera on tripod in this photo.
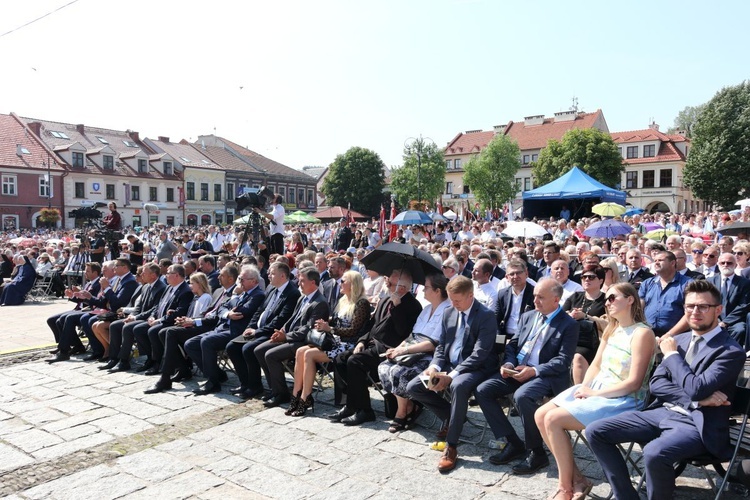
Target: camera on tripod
(254, 198)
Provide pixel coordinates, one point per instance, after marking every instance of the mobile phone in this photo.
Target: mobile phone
(509, 370)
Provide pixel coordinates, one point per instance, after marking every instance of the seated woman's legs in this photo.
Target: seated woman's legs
(299, 367)
(578, 368)
(101, 332)
(311, 357)
(553, 421)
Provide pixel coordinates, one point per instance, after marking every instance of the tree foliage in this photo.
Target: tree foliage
(431, 173)
(356, 177)
(718, 166)
(491, 174)
(591, 150)
(686, 120)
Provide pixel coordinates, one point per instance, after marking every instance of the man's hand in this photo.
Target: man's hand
(249, 333)
(359, 348)
(151, 321)
(524, 373)
(234, 315)
(505, 374)
(129, 319)
(443, 382)
(718, 398)
(103, 283)
(278, 336)
(667, 344)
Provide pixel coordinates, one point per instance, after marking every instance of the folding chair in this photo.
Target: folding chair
(42, 289)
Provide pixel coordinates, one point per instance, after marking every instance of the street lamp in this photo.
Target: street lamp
(417, 145)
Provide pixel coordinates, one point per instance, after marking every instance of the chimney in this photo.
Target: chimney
(500, 129)
(134, 136)
(533, 120)
(36, 127)
(81, 129)
(164, 139)
(654, 126)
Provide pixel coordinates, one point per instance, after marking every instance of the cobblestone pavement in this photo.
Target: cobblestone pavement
(69, 431)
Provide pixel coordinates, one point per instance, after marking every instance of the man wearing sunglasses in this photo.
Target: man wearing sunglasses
(693, 387)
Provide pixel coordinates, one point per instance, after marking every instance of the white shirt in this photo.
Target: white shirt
(278, 217)
(486, 294)
(511, 327)
(569, 288)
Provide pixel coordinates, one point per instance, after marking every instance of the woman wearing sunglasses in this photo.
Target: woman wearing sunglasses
(617, 381)
(741, 252)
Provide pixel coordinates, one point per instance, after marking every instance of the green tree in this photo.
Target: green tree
(356, 177)
(686, 120)
(718, 166)
(491, 174)
(591, 150)
(421, 175)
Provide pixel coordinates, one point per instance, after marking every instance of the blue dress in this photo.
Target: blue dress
(14, 293)
(616, 362)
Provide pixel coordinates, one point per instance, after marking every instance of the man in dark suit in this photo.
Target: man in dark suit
(151, 292)
(281, 300)
(463, 359)
(64, 325)
(174, 337)
(536, 365)
(735, 297)
(321, 264)
(285, 341)
(231, 321)
(693, 387)
(393, 321)
(465, 264)
(636, 273)
(512, 303)
(550, 254)
(496, 258)
(174, 302)
(207, 265)
(331, 289)
(681, 266)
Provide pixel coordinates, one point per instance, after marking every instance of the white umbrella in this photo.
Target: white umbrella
(450, 214)
(743, 203)
(525, 229)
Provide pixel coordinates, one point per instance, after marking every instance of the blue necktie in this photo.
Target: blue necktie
(458, 342)
(528, 346)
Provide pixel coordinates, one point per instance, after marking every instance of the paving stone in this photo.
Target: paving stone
(80, 418)
(42, 416)
(86, 392)
(67, 447)
(228, 467)
(12, 426)
(152, 465)
(403, 448)
(319, 450)
(273, 483)
(5, 416)
(189, 484)
(325, 477)
(348, 489)
(193, 452)
(12, 458)
(170, 417)
(364, 439)
(323, 427)
(121, 425)
(228, 491)
(94, 484)
(32, 440)
(77, 432)
(74, 406)
(292, 464)
(375, 466)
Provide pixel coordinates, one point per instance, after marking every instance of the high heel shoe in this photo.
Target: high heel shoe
(308, 403)
(294, 404)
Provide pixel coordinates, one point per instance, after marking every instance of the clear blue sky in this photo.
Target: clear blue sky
(301, 81)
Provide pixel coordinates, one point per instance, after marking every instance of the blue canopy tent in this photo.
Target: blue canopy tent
(575, 190)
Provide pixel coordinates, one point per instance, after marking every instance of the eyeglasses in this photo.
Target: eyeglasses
(738, 253)
(701, 308)
(515, 273)
(727, 264)
(699, 252)
(589, 277)
(612, 298)
(709, 256)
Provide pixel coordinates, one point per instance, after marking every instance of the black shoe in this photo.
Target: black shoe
(60, 356)
(341, 414)
(208, 388)
(277, 400)
(122, 366)
(513, 411)
(79, 349)
(251, 394)
(359, 418)
(238, 390)
(154, 370)
(182, 375)
(268, 395)
(55, 351)
(510, 452)
(104, 359)
(92, 357)
(110, 364)
(145, 366)
(534, 461)
(223, 377)
(159, 386)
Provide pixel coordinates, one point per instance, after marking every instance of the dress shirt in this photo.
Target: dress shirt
(533, 359)
(276, 295)
(511, 327)
(459, 347)
(664, 307)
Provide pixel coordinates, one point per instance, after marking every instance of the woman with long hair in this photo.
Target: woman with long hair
(612, 273)
(616, 381)
(202, 291)
(351, 314)
(296, 247)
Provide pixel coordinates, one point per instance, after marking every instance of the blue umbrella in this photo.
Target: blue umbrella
(411, 217)
(633, 211)
(607, 228)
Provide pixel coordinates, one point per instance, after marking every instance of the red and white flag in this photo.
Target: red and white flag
(439, 207)
(381, 223)
(394, 227)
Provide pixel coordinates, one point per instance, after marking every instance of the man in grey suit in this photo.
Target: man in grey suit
(735, 297)
(536, 364)
(285, 341)
(462, 360)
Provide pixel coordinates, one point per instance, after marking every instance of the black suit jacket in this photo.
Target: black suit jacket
(114, 300)
(245, 303)
(642, 275)
(504, 302)
(282, 311)
(150, 296)
(477, 349)
(694, 275)
(178, 305)
(390, 329)
(498, 272)
(213, 280)
(326, 288)
(738, 301)
(304, 317)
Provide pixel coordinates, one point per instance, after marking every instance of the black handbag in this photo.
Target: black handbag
(320, 339)
(107, 316)
(411, 358)
(588, 335)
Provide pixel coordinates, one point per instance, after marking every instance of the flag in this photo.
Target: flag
(127, 194)
(394, 228)
(349, 216)
(381, 223)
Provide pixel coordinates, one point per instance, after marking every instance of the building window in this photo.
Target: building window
(80, 190)
(448, 164)
(135, 193)
(534, 158)
(44, 187)
(631, 180)
(527, 183)
(170, 220)
(190, 195)
(168, 168)
(448, 188)
(649, 151)
(110, 190)
(170, 194)
(466, 189)
(457, 163)
(310, 198)
(142, 167)
(136, 220)
(109, 162)
(205, 220)
(152, 194)
(665, 177)
(10, 185)
(282, 192)
(648, 178)
(632, 151)
(204, 191)
(217, 192)
(292, 195)
(230, 191)
(525, 159)
(301, 196)
(78, 159)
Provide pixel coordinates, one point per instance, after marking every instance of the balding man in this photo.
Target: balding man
(636, 273)
(484, 291)
(561, 272)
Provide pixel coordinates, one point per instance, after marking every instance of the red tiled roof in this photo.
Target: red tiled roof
(261, 162)
(537, 136)
(470, 142)
(179, 150)
(337, 213)
(648, 134)
(667, 149)
(224, 158)
(667, 152)
(13, 133)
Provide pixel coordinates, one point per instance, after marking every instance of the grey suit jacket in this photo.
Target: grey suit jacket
(477, 349)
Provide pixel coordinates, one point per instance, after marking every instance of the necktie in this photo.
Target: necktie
(116, 285)
(632, 276)
(724, 293)
(693, 349)
(164, 303)
(298, 314)
(528, 346)
(269, 309)
(458, 342)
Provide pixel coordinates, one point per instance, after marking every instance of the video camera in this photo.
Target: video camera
(254, 198)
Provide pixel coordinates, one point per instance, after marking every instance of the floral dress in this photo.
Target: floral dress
(347, 330)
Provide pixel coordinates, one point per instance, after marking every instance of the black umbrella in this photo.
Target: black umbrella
(393, 256)
(735, 229)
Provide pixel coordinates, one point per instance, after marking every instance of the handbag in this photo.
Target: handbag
(411, 358)
(588, 335)
(320, 339)
(108, 316)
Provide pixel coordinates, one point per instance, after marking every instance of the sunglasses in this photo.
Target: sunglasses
(589, 276)
(710, 256)
(738, 253)
(612, 298)
(699, 252)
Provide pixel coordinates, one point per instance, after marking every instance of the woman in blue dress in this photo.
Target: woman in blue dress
(14, 292)
(616, 381)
